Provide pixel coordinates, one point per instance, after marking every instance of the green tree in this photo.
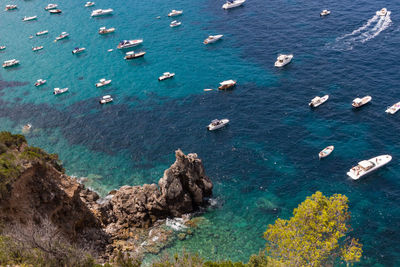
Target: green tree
(314, 236)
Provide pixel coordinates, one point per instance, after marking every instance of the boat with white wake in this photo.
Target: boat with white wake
(102, 82)
(104, 30)
(358, 102)
(393, 109)
(101, 12)
(212, 39)
(10, 63)
(317, 101)
(367, 166)
(29, 18)
(283, 60)
(58, 91)
(233, 4)
(40, 82)
(326, 152)
(133, 55)
(175, 13)
(106, 99)
(216, 124)
(129, 43)
(382, 12)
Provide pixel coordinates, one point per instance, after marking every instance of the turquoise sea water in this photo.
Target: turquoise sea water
(266, 161)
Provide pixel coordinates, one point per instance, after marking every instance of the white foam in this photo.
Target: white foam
(177, 224)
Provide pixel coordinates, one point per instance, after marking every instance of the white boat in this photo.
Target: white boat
(104, 30)
(102, 82)
(10, 7)
(393, 109)
(129, 43)
(55, 11)
(382, 12)
(51, 6)
(40, 82)
(9, 63)
(58, 91)
(175, 23)
(358, 102)
(2, 47)
(233, 4)
(283, 60)
(78, 50)
(106, 99)
(101, 12)
(37, 48)
(316, 101)
(216, 124)
(133, 55)
(166, 75)
(212, 39)
(325, 12)
(29, 18)
(61, 36)
(27, 127)
(227, 84)
(326, 152)
(366, 166)
(89, 4)
(42, 33)
(174, 13)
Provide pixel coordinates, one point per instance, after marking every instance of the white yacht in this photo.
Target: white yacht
(358, 102)
(61, 36)
(42, 33)
(133, 55)
(393, 109)
(216, 124)
(89, 4)
(212, 39)
(101, 12)
(326, 152)
(174, 13)
(9, 63)
(283, 60)
(233, 4)
(58, 91)
(166, 75)
(175, 23)
(226, 84)
(10, 7)
(37, 48)
(129, 43)
(78, 50)
(40, 82)
(325, 12)
(106, 99)
(55, 11)
(316, 101)
(29, 18)
(102, 82)
(51, 6)
(2, 47)
(104, 30)
(366, 166)
(382, 12)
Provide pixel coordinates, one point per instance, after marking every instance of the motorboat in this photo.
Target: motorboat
(78, 50)
(382, 12)
(129, 43)
(358, 102)
(106, 99)
(10, 7)
(133, 55)
(55, 11)
(326, 152)
(2, 47)
(40, 82)
(166, 75)
(101, 12)
(110, 50)
(325, 12)
(283, 60)
(63, 35)
(58, 91)
(102, 82)
(42, 33)
(393, 109)
(104, 30)
(10, 63)
(175, 13)
(216, 124)
(51, 6)
(316, 101)
(228, 84)
(212, 39)
(27, 127)
(233, 4)
(366, 166)
(29, 18)
(89, 4)
(37, 48)
(175, 23)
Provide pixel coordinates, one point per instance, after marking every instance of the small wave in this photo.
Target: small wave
(177, 224)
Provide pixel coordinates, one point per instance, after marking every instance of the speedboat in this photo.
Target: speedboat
(358, 102)
(58, 91)
(42, 33)
(325, 12)
(40, 82)
(393, 109)
(212, 39)
(29, 18)
(37, 48)
(55, 11)
(227, 84)
(382, 12)
(78, 50)
(129, 43)
(27, 127)
(166, 75)
(10, 7)
(101, 12)
(51, 6)
(283, 60)
(216, 124)
(61, 36)
(316, 101)
(9, 63)
(2, 47)
(326, 152)
(366, 166)
(104, 30)
(88, 4)
(133, 55)
(106, 99)
(102, 82)
(233, 4)
(175, 23)
(174, 13)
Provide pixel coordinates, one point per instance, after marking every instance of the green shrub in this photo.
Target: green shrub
(12, 140)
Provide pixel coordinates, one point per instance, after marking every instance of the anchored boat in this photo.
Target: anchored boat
(366, 166)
